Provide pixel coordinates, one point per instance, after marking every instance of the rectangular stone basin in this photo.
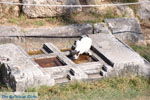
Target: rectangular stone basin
(84, 59)
(35, 52)
(49, 62)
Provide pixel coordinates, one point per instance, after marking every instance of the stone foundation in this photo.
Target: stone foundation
(19, 70)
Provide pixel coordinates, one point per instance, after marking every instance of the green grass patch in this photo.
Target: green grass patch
(110, 14)
(39, 23)
(13, 20)
(117, 88)
(17, 20)
(143, 51)
(53, 19)
(107, 89)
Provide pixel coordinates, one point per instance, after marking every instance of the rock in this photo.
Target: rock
(112, 11)
(101, 28)
(125, 11)
(9, 10)
(39, 11)
(144, 11)
(125, 29)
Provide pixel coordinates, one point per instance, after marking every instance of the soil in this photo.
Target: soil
(49, 62)
(35, 52)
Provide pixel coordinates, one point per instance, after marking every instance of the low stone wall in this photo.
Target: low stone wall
(125, 29)
(70, 30)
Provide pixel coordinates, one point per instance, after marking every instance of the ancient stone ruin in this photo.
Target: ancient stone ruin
(49, 65)
(21, 68)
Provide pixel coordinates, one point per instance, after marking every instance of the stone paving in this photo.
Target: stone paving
(20, 71)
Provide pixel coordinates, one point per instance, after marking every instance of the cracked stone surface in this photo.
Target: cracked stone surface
(125, 29)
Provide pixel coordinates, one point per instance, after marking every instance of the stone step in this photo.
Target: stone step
(94, 71)
(47, 48)
(94, 76)
(58, 75)
(45, 52)
(76, 73)
(62, 80)
(70, 76)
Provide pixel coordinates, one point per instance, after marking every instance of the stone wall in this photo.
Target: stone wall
(125, 29)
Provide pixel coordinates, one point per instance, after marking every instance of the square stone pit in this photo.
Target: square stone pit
(43, 50)
(84, 58)
(49, 62)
